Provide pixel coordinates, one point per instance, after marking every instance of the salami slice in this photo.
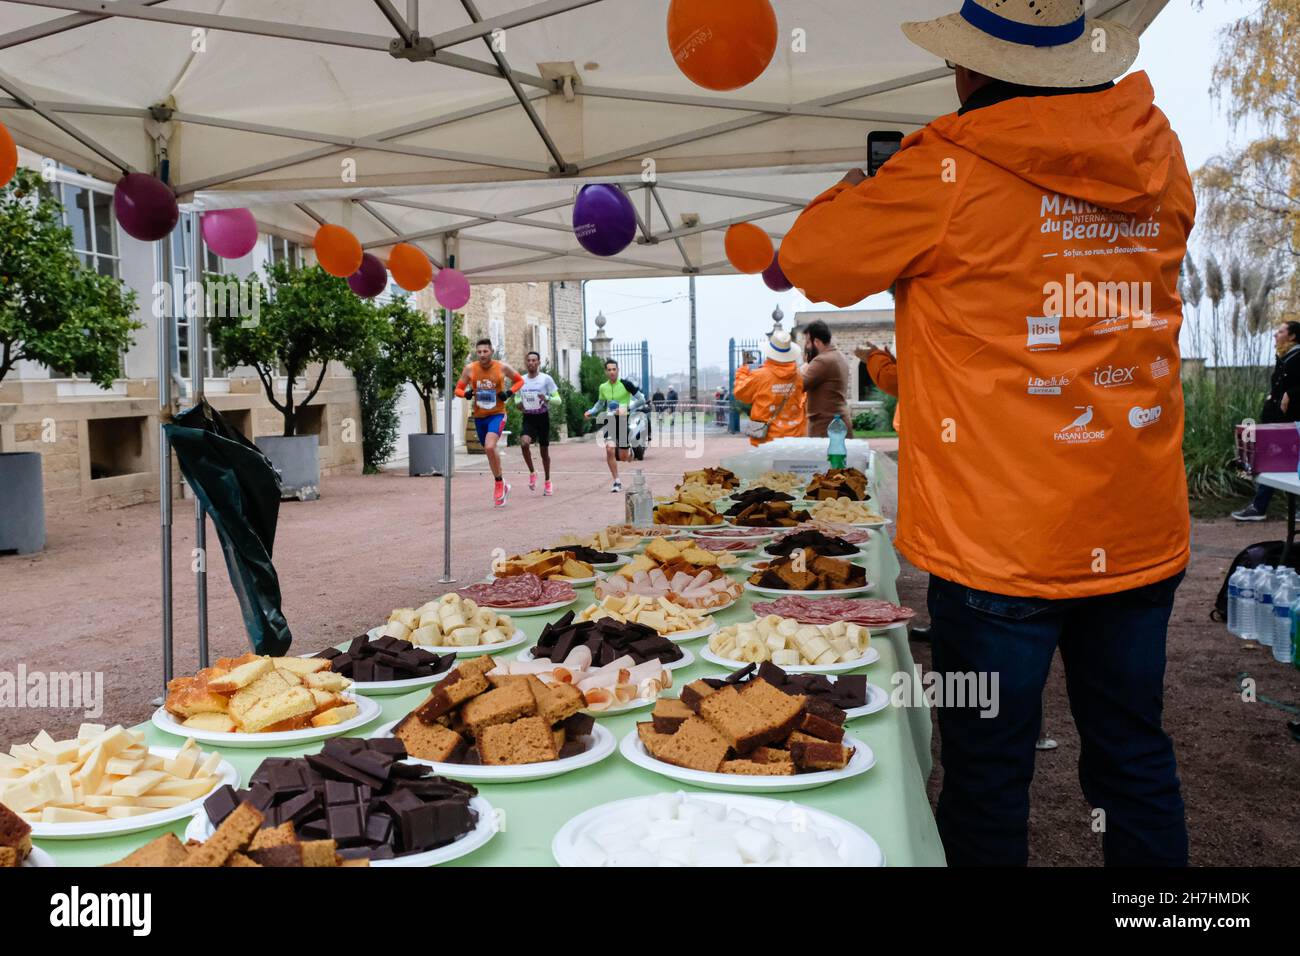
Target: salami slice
(520, 591)
(865, 611)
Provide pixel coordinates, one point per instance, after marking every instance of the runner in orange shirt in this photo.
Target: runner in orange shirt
(484, 382)
(1036, 239)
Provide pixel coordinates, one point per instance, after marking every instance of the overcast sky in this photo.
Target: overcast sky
(1178, 51)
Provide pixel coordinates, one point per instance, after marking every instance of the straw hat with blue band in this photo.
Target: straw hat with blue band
(780, 348)
(1030, 42)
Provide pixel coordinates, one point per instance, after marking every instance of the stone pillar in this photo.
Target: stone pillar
(600, 342)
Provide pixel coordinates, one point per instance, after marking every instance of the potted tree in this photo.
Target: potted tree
(56, 311)
(305, 317)
(415, 355)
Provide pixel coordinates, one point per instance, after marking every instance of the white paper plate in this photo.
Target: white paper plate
(602, 745)
(870, 657)
(168, 724)
(530, 611)
(750, 547)
(877, 700)
(719, 609)
(226, 774)
(856, 556)
(746, 534)
(641, 703)
(752, 566)
(856, 847)
(687, 529)
(780, 592)
(687, 658)
(39, 858)
(872, 525)
(863, 759)
(611, 565)
(571, 582)
(200, 828)
(706, 631)
(478, 650)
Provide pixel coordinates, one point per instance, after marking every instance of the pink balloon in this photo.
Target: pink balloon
(230, 233)
(451, 289)
(145, 207)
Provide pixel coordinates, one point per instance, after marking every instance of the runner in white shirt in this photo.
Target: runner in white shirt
(536, 398)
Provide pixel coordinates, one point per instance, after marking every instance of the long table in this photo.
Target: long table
(889, 801)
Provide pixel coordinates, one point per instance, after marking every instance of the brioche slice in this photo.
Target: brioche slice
(241, 676)
(272, 710)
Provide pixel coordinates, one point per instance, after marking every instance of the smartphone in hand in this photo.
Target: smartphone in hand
(881, 147)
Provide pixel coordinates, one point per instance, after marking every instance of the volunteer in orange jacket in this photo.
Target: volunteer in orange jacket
(1035, 238)
(775, 393)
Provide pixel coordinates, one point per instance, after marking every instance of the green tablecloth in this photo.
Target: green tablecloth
(889, 801)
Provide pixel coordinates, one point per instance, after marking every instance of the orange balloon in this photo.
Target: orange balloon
(8, 157)
(722, 44)
(410, 267)
(749, 248)
(337, 250)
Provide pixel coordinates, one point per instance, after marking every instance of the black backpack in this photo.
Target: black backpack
(1264, 552)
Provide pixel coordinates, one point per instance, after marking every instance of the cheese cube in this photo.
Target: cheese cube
(139, 784)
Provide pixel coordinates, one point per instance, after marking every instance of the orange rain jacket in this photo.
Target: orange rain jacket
(763, 388)
(1036, 244)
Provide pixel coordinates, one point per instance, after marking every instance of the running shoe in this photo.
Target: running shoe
(548, 490)
(532, 481)
(618, 486)
(502, 494)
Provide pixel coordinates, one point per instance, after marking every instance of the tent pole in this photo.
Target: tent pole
(198, 369)
(448, 398)
(164, 320)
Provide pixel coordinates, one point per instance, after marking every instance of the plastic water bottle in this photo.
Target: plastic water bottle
(1239, 580)
(1263, 630)
(639, 502)
(1282, 597)
(837, 452)
(1246, 606)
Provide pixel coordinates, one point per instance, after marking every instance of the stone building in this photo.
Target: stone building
(544, 317)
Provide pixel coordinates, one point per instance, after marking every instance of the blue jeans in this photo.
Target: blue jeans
(1113, 648)
(1263, 495)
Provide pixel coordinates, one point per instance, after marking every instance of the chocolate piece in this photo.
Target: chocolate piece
(220, 804)
(572, 748)
(290, 854)
(579, 725)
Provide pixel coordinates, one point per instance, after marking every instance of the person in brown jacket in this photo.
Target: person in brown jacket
(825, 381)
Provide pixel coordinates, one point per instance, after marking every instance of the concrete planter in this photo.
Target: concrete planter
(22, 503)
(297, 459)
(425, 454)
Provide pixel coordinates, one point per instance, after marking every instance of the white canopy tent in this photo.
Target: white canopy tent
(480, 118)
(474, 121)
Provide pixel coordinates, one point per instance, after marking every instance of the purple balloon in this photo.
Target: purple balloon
(145, 207)
(230, 233)
(604, 219)
(774, 276)
(371, 279)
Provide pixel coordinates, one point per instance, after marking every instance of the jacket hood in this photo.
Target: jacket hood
(1112, 148)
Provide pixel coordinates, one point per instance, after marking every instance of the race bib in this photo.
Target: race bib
(485, 397)
(534, 402)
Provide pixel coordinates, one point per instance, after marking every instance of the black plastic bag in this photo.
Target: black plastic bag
(240, 491)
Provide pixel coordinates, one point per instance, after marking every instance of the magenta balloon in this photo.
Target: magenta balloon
(230, 233)
(451, 289)
(371, 279)
(604, 220)
(774, 276)
(145, 207)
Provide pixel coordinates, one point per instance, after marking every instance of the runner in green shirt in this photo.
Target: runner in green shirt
(618, 399)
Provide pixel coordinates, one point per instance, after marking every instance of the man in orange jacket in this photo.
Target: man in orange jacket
(1035, 238)
(775, 393)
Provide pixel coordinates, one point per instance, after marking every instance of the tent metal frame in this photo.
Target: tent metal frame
(408, 43)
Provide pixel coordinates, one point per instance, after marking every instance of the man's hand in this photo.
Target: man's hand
(853, 177)
(586, 414)
(864, 354)
(1286, 400)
